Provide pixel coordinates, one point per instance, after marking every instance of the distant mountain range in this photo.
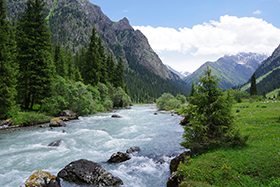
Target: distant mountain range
(232, 70)
(181, 74)
(71, 23)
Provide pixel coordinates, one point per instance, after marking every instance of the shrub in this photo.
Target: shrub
(120, 98)
(181, 98)
(76, 96)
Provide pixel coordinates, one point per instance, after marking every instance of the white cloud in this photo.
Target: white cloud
(257, 12)
(229, 35)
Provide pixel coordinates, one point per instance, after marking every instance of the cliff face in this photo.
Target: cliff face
(71, 22)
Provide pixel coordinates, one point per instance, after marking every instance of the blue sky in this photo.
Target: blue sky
(186, 34)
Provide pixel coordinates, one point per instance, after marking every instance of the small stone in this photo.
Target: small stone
(116, 116)
(133, 149)
(119, 157)
(55, 143)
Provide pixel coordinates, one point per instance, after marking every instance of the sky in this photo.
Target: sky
(187, 33)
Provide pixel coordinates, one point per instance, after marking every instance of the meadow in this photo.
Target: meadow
(257, 163)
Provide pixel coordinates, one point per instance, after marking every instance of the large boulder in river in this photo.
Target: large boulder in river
(41, 179)
(69, 114)
(119, 157)
(56, 122)
(85, 172)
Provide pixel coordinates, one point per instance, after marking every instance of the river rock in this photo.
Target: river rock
(41, 179)
(55, 143)
(176, 161)
(172, 180)
(7, 122)
(116, 116)
(69, 114)
(86, 172)
(119, 157)
(133, 150)
(160, 161)
(56, 122)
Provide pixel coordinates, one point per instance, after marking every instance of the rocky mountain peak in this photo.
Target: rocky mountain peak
(123, 24)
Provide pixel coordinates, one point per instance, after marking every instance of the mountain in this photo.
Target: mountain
(181, 74)
(174, 71)
(269, 64)
(232, 70)
(71, 23)
(185, 73)
(267, 74)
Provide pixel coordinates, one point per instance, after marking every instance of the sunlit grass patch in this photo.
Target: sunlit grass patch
(255, 164)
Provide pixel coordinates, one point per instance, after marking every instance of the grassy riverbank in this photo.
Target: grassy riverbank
(255, 164)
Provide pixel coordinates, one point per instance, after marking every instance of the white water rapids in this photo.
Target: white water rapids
(96, 137)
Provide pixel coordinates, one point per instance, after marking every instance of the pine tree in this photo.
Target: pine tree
(119, 72)
(103, 67)
(210, 120)
(192, 90)
(35, 54)
(70, 66)
(111, 66)
(8, 65)
(91, 67)
(253, 88)
(60, 61)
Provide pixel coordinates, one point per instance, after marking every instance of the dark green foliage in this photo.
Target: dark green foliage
(269, 64)
(76, 96)
(210, 121)
(168, 102)
(34, 57)
(181, 98)
(91, 69)
(270, 82)
(119, 72)
(60, 61)
(253, 88)
(8, 65)
(192, 89)
(145, 86)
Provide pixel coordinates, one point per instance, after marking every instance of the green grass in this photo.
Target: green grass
(25, 117)
(273, 93)
(255, 164)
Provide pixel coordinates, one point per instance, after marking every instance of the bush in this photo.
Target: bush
(181, 98)
(120, 98)
(75, 96)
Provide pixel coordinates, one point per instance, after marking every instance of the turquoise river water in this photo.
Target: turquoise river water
(96, 137)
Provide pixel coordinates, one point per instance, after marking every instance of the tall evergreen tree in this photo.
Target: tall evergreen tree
(8, 64)
(119, 74)
(91, 66)
(211, 123)
(192, 90)
(35, 54)
(253, 88)
(102, 55)
(111, 66)
(70, 66)
(60, 61)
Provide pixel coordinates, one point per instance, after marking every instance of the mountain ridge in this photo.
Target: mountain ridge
(232, 70)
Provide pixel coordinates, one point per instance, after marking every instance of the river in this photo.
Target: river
(96, 137)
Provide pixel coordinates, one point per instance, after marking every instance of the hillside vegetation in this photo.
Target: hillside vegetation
(257, 163)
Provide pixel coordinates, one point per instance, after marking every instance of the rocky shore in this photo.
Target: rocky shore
(59, 121)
